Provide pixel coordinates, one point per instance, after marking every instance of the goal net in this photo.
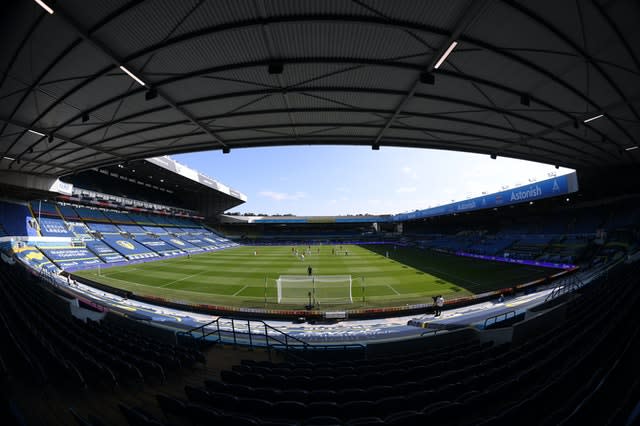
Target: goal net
(330, 289)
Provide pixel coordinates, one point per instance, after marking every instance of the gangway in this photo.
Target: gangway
(255, 333)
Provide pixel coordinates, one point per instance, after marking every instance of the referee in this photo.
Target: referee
(309, 270)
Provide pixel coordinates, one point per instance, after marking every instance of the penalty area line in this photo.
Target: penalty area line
(182, 279)
(393, 289)
(239, 291)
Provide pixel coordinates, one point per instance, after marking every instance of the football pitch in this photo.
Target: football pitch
(246, 276)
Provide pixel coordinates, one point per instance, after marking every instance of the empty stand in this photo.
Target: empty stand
(80, 230)
(180, 244)
(93, 215)
(43, 345)
(159, 245)
(51, 227)
(104, 228)
(105, 252)
(17, 220)
(68, 212)
(117, 217)
(128, 248)
(132, 229)
(540, 381)
(141, 219)
(43, 208)
(157, 230)
(33, 257)
(71, 257)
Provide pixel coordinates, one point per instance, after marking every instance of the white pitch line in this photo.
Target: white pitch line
(106, 274)
(240, 291)
(182, 279)
(131, 282)
(393, 289)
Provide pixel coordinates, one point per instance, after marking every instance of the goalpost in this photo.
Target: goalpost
(330, 289)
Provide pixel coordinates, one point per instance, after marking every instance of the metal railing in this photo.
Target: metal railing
(499, 318)
(431, 332)
(568, 285)
(257, 333)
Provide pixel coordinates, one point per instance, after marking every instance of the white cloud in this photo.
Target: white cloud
(282, 196)
(408, 171)
(406, 189)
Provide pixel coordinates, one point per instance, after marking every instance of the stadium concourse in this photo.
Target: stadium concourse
(96, 94)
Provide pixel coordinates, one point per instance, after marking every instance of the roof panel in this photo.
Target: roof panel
(352, 131)
(79, 64)
(433, 12)
(15, 21)
(357, 99)
(502, 25)
(282, 133)
(217, 107)
(210, 14)
(256, 120)
(311, 7)
(624, 14)
(11, 97)
(109, 86)
(348, 70)
(222, 48)
(209, 86)
(339, 117)
(128, 33)
(327, 39)
(603, 44)
(41, 51)
(272, 101)
(374, 77)
(90, 13)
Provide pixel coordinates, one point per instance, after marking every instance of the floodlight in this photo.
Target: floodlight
(45, 6)
(446, 54)
(593, 118)
(140, 82)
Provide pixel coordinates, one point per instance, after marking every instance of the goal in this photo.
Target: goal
(329, 289)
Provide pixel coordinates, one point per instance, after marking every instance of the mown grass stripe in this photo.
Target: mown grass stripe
(236, 277)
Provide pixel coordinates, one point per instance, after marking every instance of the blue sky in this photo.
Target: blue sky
(338, 180)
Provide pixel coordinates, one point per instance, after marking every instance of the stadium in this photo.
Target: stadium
(132, 291)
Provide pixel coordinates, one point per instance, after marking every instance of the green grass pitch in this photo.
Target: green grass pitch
(236, 277)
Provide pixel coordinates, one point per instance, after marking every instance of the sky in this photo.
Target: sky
(342, 180)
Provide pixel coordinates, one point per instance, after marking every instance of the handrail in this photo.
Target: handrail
(434, 332)
(565, 286)
(202, 329)
(326, 347)
(272, 337)
(495, 317)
